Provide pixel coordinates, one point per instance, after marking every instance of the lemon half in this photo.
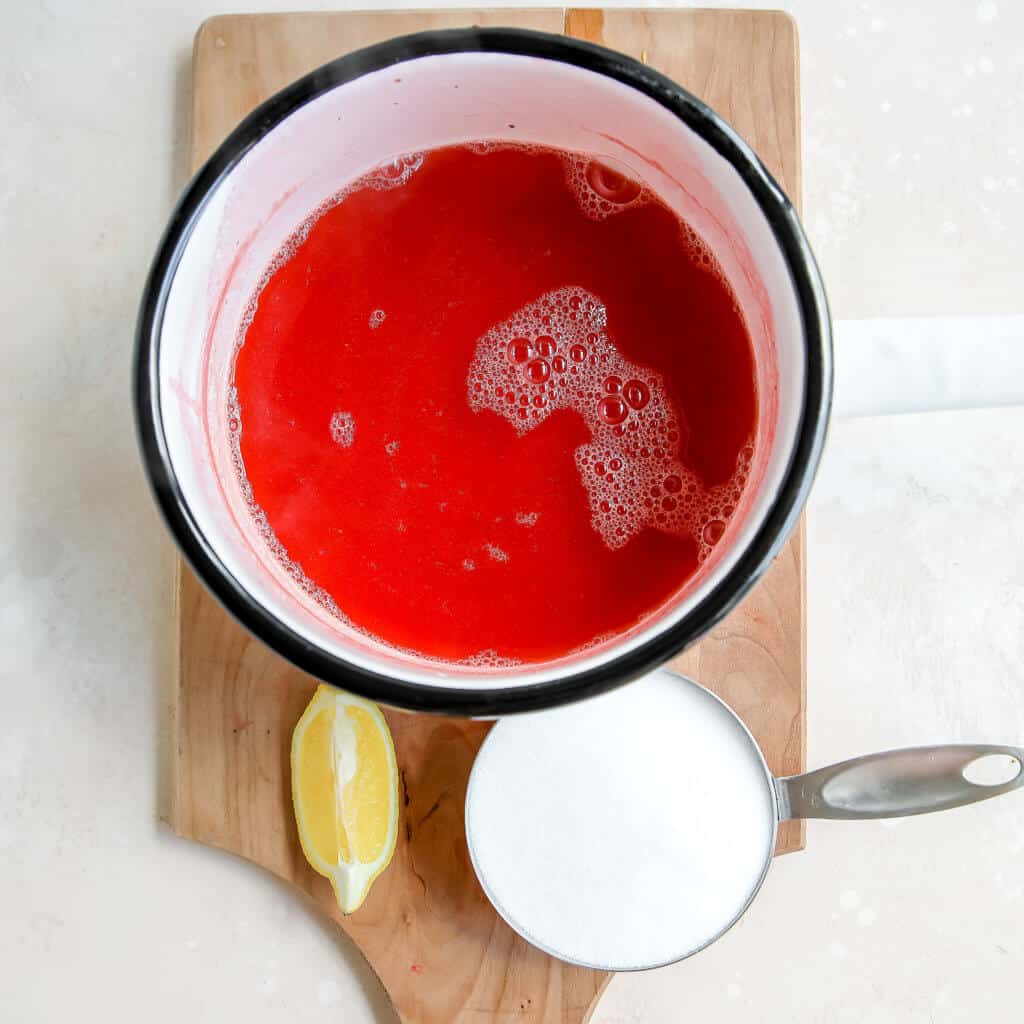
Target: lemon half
(345, 792)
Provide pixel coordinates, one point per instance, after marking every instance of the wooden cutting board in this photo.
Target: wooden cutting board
(426, 929)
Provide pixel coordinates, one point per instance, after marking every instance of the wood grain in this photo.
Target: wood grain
(239, 60)
(427, 930)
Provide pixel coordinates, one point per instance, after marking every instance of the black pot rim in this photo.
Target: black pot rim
(617, 670)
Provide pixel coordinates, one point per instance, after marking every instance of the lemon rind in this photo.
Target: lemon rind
(351, 882)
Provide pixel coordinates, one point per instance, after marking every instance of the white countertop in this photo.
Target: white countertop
(913, 162)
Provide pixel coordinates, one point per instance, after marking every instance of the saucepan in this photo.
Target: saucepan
(410, 95)
(635, 829)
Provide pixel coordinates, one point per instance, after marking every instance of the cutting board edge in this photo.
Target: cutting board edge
(177, 816)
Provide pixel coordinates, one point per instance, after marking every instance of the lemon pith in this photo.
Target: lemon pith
(345, 792)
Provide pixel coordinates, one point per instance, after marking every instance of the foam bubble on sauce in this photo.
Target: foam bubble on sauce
(704, 259)
(343, 429)
(496, 553)
(490, 659)
(556, 353)
(527, 518)
(601, 190)
(377, 317)
(484, 146)
(395, 173)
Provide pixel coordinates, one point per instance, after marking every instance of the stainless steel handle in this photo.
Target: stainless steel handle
(897, 783)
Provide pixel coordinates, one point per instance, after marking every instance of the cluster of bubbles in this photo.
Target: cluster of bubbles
(484, 146)
(556, 353)
(599, 189)
(377, 317)
(490, 659)
(343, 429)
(701, 255)
(496, 553)
(602, 191)
(393, 174)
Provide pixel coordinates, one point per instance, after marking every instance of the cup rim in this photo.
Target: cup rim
(773, 795)
(618, 669)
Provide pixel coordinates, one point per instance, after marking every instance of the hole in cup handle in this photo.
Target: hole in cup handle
(992, 770)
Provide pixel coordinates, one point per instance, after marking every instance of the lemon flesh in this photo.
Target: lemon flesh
(345, 792)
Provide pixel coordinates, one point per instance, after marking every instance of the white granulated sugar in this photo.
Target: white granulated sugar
(623, 832)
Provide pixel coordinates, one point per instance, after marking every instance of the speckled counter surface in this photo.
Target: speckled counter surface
(913, 166)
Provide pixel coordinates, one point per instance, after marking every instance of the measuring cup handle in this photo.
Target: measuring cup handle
(897, 783)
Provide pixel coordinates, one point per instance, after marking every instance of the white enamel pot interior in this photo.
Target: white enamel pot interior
(408, 95)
